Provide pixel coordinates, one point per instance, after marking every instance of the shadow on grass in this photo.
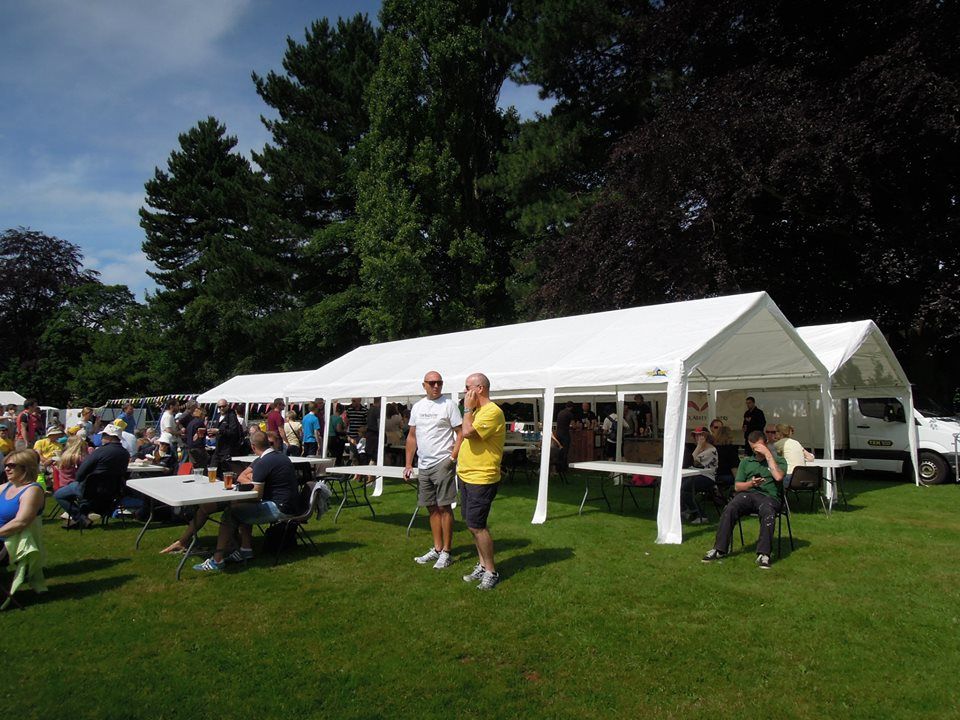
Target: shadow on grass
(498, 546)
(74, 590)
(82, 566)
(536, 558)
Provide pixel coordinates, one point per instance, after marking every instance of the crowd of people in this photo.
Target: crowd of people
(85, 465)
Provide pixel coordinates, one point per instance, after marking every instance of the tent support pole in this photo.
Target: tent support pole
(669, 527)
(327, 410)
(912, 438)
(540, 513)
(826, 403)
(381, 450)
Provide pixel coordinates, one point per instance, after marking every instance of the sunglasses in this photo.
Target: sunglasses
(433, 383)
(7, 466)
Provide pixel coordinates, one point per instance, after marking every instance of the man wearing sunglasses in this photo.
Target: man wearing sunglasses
(435, 437)
(478, 467)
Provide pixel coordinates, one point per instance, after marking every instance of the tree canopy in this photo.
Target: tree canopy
(685, 150)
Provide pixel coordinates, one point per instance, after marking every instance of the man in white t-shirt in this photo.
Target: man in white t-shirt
(435, 437)
(169, 424)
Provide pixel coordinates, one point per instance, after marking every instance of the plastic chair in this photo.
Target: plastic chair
(318, 503)
(808, 480)
(783, 512)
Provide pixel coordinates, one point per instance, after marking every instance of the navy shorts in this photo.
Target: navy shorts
(475, 502)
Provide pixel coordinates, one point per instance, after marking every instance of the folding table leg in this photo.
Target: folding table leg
(413, 517)
(186, 554)
(145, 525)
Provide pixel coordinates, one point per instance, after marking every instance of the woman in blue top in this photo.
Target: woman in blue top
(21, 497)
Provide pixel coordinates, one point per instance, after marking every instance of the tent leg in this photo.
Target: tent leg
(540, 513)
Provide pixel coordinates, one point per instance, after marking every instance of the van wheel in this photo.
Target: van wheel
(933, 468)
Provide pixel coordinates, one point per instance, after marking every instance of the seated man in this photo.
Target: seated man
(758, 491)
(100, 480)
(275, 480)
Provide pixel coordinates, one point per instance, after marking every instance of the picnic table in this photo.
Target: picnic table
(184, 491)
(620, 468)
(835, 479)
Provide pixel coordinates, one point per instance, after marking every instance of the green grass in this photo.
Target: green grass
(592, 620)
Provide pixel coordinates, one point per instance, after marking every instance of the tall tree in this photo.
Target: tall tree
(224, 293)
(582, 55)
(432, 243)
(811, 151)
(40, 271)
(311, 194)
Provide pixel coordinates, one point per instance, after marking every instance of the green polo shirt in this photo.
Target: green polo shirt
(750, 466)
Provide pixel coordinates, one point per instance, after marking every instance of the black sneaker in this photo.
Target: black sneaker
(713, 555)
(763, 561)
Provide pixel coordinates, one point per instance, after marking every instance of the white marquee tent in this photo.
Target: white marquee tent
(263, 388)
(861, 364)
(9, 397)
(735, 341)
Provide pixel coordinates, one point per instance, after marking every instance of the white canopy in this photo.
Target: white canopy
(862, 364)
(9, 397)
(735, 340)
(261, 388)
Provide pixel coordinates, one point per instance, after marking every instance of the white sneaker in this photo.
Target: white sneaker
(443, 561)
(428, 557)
(64, 516)
(489, 581)
(475, 574)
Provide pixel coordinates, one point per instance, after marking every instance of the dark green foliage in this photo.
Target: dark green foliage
(223, 304)
(310, 194)
(809, 151)
(432, 242)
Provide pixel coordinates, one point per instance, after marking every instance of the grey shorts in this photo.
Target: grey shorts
(437, 485)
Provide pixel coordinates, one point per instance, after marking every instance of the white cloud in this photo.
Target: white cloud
(123, 268)
(137, 40)
(67, 190)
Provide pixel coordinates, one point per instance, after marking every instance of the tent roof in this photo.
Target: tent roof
(857, 356)
(260, 388)
(715, 339)
(9, 397)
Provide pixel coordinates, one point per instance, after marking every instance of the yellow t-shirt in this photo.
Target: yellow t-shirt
(47, 448)
(6, 446)
(479, 460)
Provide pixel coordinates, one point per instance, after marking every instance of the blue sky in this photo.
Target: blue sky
(96, 91)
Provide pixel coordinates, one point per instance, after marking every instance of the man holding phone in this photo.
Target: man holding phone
(758, 491)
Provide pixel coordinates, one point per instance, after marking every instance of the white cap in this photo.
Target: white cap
(166, 438)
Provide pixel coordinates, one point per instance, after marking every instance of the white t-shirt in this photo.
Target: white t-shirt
(168, 423)
(434, 421)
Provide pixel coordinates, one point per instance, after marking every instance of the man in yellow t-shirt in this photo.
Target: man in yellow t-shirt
(6, 439)
(478, 467)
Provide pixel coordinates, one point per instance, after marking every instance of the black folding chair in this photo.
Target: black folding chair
(318, 503)
(6, 597)
(808, 480)
(783, 512)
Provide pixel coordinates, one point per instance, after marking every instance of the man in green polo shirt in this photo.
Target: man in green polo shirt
(758, 491)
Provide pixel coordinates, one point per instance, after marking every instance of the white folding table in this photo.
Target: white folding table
(377, 471)
(146, 469)
(184, 491)
(835, 479)
(305, 464)
(620, 468)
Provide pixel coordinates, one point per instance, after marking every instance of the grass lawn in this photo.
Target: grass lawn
(591, 620)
